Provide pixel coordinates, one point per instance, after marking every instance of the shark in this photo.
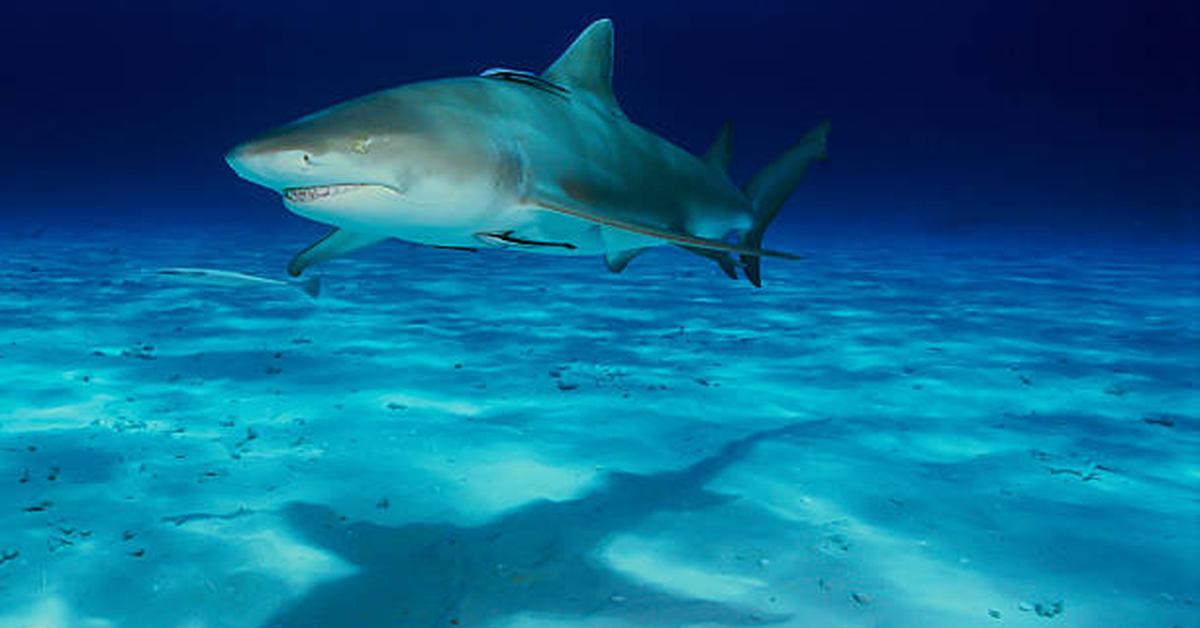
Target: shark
(545, 162)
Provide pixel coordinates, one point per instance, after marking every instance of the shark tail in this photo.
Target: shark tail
(772, 186)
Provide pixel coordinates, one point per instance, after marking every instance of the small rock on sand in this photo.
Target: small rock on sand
(1048, 609)
(1042, 609)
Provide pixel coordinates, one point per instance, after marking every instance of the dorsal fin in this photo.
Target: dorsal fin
(587, 65)
(721, 151)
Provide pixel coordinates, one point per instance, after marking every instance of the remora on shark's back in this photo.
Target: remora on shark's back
(543, 163)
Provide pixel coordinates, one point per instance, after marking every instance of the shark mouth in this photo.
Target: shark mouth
(318, 192)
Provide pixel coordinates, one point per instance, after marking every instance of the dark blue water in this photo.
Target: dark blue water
(955, 117)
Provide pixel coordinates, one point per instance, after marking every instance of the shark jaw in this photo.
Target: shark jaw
(365, 207)
(315, 193)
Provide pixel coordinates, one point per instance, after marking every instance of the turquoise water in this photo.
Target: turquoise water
(887, 434)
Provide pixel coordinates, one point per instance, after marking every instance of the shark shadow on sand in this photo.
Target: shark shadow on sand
(540, 558)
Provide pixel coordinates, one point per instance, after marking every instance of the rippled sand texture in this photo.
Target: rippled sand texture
(883, 436)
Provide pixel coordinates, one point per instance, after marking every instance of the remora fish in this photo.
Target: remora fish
(509, 159)
(310, 286)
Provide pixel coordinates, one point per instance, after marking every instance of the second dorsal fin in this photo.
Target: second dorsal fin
(721, 152)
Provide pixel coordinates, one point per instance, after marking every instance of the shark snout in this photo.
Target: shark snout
(275, 169)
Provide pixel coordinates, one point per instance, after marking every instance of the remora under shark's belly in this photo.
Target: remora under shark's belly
(524, 229)
(540, 231)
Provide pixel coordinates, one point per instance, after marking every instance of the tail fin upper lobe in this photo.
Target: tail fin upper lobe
(772, 186)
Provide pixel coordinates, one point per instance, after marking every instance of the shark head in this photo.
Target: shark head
(396, 161)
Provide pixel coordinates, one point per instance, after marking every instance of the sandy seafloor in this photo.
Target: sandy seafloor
(886, 435)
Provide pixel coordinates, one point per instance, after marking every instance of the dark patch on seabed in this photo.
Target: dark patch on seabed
(886, 434)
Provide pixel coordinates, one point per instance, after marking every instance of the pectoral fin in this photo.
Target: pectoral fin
(339, 242)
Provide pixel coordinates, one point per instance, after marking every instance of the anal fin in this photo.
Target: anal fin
(337, 243)
(620, 247)
(616, 261)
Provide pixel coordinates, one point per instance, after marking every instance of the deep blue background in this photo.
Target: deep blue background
(949, 116)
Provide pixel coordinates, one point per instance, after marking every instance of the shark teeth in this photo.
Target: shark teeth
(318, 192)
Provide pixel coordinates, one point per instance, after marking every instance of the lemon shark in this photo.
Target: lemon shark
(545, 163)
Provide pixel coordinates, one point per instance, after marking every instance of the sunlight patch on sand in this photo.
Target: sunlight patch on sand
(650, 563)
(451, 406)
(491, 479)
(939, 446)
(273, 551)
(56, 417)
(50, 612)
(300, 566)
(918, 579)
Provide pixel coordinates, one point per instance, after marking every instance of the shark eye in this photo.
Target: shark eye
(307, 159)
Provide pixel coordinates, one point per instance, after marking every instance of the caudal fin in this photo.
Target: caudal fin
(772, 186)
